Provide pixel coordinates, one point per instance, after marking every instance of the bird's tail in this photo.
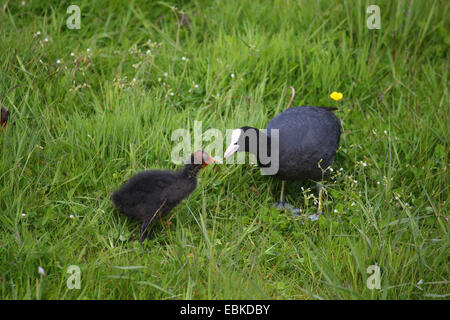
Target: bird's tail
(116, 198)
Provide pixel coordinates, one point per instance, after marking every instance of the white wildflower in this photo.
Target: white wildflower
(41, 271)
(418, 285)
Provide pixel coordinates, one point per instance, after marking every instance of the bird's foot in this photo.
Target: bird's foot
(287, 207)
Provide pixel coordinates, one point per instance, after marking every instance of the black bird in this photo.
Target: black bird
(308, 138)
(4, 118)
(152, 194)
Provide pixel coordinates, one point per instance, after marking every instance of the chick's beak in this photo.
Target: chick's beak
(209, 160)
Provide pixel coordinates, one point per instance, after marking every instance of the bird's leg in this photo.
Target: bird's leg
(283, 185)
(143, 232)
(146, 226)
(149, 223)
(282, 205)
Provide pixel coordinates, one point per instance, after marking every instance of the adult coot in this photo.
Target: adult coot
(308, 138)
(150, 195)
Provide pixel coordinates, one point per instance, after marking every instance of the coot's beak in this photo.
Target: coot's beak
(232, 148)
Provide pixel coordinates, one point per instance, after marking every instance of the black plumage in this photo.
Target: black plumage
(308, 140)
(150, 195)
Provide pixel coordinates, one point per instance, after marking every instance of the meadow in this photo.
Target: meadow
(92, 106)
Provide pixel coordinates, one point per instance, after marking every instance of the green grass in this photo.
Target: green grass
(79, 130)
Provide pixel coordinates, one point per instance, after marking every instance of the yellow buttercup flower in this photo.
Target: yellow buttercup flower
(336, 96)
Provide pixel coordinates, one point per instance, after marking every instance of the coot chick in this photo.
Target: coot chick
(308, 139)
(150, 195)
(4, 116)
